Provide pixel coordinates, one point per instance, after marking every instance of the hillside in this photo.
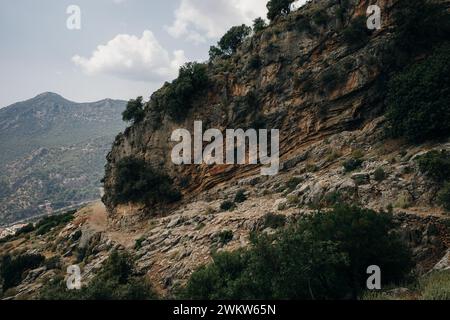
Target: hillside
(53, 153)
(353, 108)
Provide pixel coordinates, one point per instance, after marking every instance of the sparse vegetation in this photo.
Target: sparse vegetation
(50, 222)
(115, 281)
(436, 286)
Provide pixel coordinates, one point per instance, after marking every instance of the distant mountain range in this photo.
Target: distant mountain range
(53, 153)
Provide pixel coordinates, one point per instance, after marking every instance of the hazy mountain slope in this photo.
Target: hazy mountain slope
(53, 150)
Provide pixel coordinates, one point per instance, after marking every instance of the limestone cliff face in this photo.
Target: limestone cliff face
(310, 84)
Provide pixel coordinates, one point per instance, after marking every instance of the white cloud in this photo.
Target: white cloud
(130, 57)
(200, 20)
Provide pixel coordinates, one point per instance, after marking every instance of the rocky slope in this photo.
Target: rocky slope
(323, 120)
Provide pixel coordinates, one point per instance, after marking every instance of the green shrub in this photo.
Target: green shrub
(137, 181)
(25, 229)
(191, 81)
(320, 18)
(444, 196)
(418, 99)
(436, 165)
(323, 256)
(225, 237)
(274, 221)
(255, 62)
(115, 281)
(330, 78)
(356, 34)
(420, 25)
(12, 268)
(379, 174)
(48, 223)
(227, 205)
(53, 263)
(240, 196)
(352, 164)
(138, 243)
(135, 111)
(333, 198)
(293, 182)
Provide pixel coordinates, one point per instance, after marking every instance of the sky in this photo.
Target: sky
(123, 49)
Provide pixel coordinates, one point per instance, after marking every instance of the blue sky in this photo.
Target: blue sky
(125, 48)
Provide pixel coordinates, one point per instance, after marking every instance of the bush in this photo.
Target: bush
(137, 181)
(135, 111)
(46, 224)
(277, 7)
(444, 196)
(255, 62)
(320, 18)
(191, 81)
(225, 236)
(436, 165)
(418, 99)
(25, 229)
(240, 196)
(115, 281)
(379, 174)
(420, 25)
(323, 256)
(352, 164)
(227, 206)
(356, 34)
(274, 221)
(12, 269)
(293, 182)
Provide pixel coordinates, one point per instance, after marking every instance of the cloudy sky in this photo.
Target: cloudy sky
(124, 48)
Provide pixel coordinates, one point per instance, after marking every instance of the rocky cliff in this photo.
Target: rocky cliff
(309, 83)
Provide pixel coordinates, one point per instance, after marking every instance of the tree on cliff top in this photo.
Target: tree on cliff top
(276, 7)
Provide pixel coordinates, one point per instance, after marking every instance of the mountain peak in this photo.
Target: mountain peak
(48, 95)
